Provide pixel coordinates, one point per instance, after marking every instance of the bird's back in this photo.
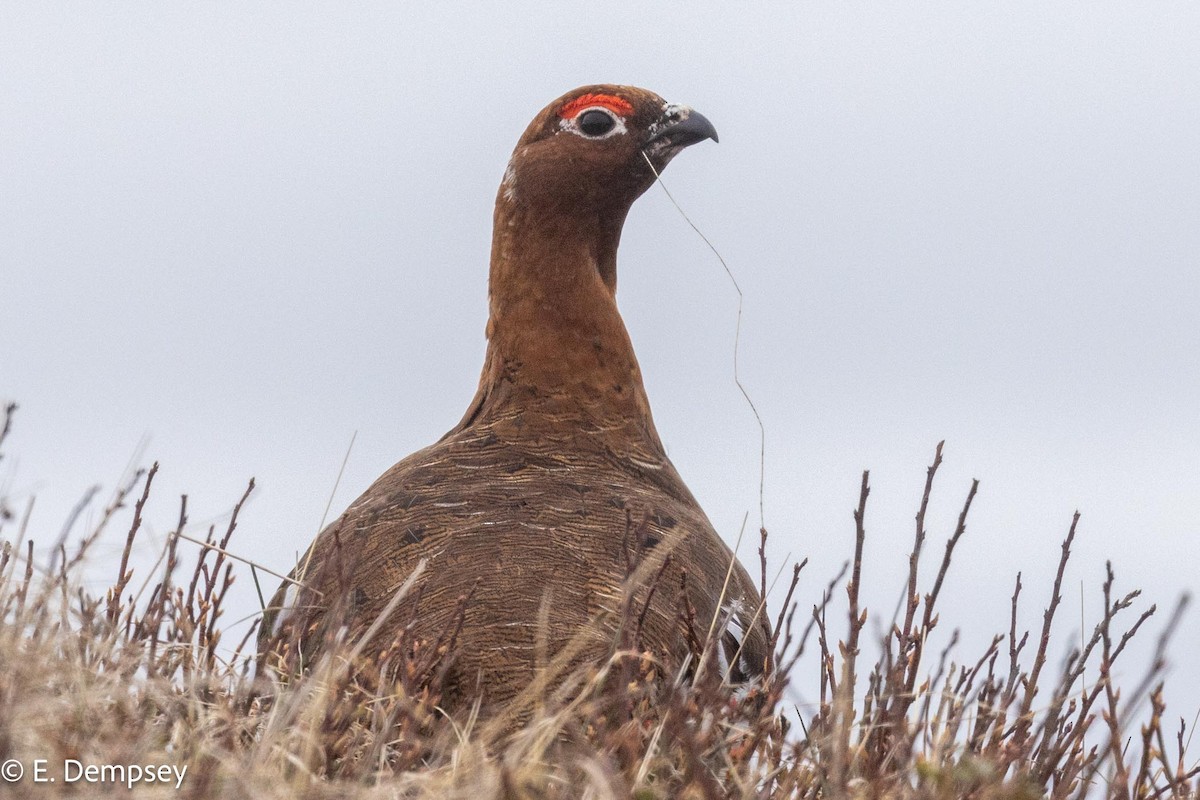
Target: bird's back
(531, 523)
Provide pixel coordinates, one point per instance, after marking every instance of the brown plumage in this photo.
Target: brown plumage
(525, 505)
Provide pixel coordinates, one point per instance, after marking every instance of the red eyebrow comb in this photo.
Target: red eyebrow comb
(618, 105)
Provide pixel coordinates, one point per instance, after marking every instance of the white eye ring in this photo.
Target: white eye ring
(575, 123)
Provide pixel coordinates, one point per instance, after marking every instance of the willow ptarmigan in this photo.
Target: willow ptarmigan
(526, 505)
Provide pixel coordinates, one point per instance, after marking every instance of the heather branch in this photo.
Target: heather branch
(113, 609)
(912, 598)
(9, 411)
(1039, 661)
(844, 693)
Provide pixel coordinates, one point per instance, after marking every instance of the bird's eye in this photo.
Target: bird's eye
(595, 122)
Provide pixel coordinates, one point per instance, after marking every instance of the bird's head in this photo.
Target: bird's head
(589, 148)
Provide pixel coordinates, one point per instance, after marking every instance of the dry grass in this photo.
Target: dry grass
(143, 676)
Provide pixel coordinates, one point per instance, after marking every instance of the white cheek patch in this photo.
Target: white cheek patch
(671, 113)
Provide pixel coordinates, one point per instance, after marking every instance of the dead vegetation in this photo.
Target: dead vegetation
(141, 674)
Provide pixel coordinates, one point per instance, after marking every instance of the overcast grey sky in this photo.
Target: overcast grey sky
(249, 231)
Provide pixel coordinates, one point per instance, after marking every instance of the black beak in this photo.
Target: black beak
(687, 128)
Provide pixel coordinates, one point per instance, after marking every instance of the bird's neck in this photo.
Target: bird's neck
(555, 336)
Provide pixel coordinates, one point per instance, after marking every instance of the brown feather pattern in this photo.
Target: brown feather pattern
(525, 505)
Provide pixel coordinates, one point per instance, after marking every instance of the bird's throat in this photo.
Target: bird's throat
(555, 335)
